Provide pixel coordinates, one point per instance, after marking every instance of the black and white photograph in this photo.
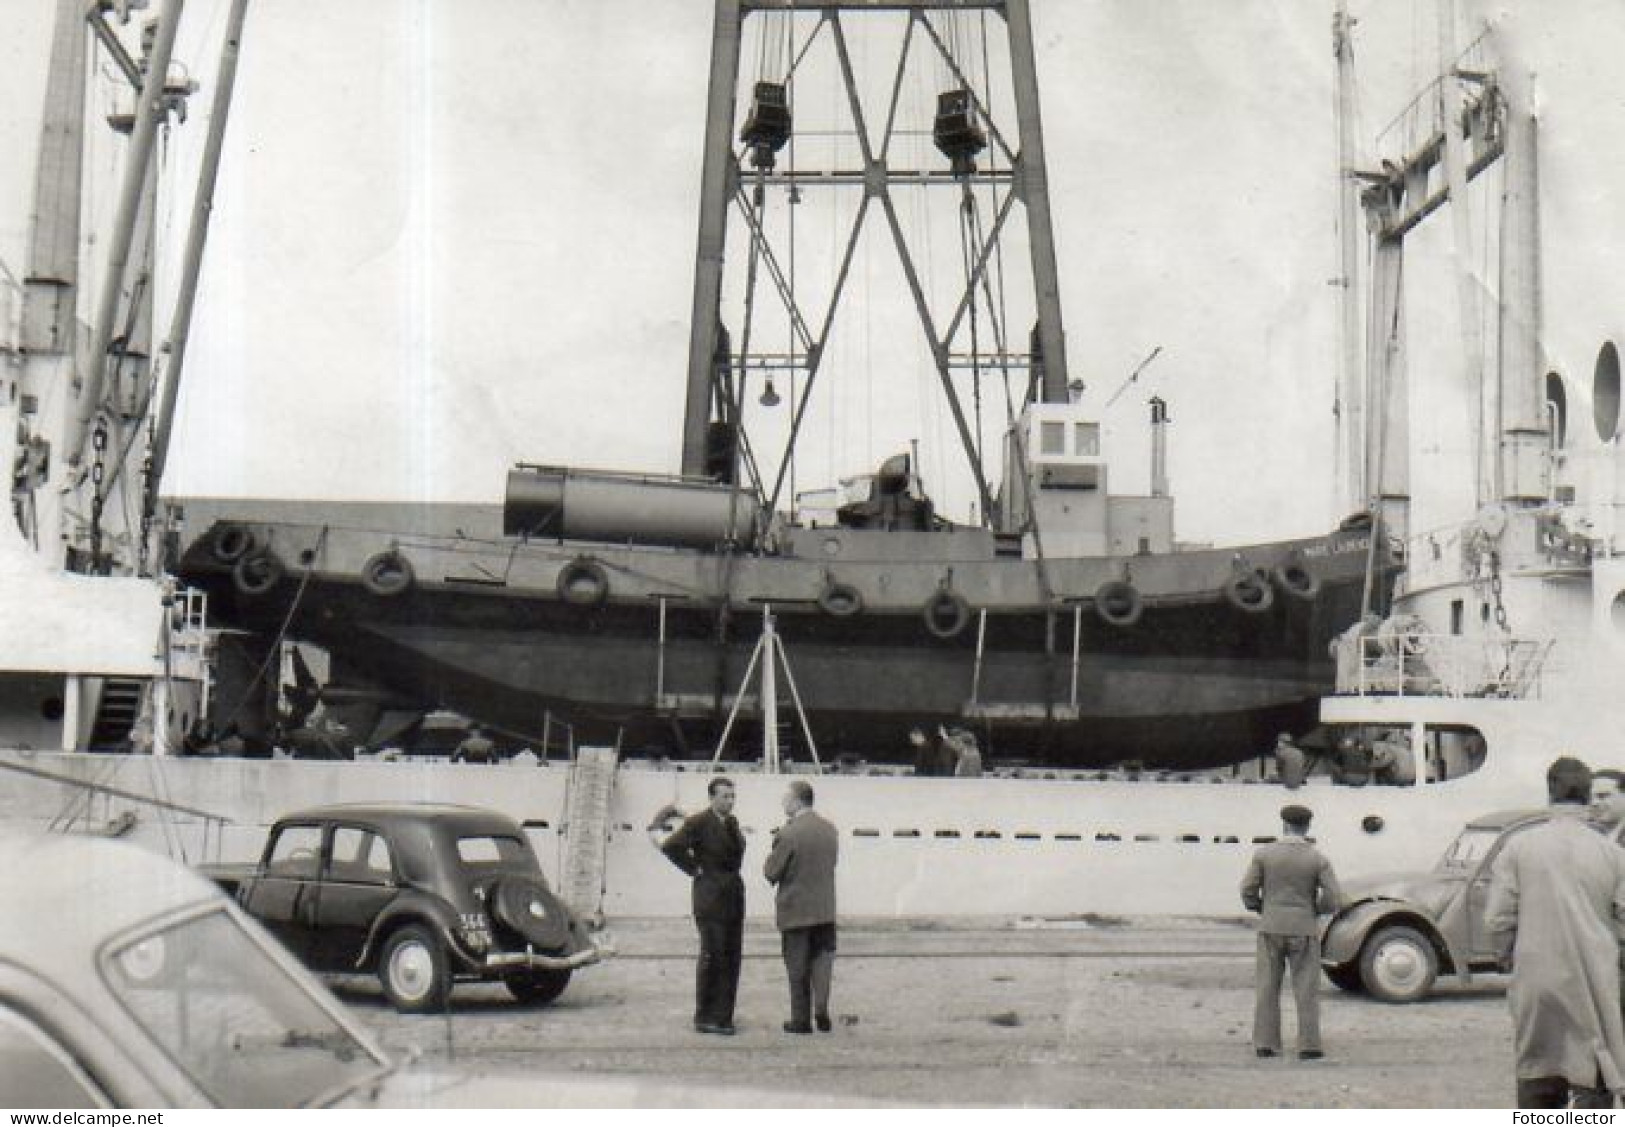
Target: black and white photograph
(879, 554)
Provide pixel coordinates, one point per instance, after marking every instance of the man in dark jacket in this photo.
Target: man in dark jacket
(1288, 884)
(802, 865)
(710, 848)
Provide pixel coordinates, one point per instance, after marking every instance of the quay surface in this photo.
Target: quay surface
(1076, 1012)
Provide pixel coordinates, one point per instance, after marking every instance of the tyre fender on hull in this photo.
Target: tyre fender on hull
(257, 573)
(230, 543)
(1249, 591)
(946, 614)
(1295, 579)
(840, 600)
(583, 582)
(1118, 603)
(387, 573)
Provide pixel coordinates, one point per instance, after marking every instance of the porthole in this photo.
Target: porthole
(1605, 392)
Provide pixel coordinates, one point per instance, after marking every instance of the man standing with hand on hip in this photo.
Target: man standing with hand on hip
(710, 848)
(802, 865)
(1288, 884)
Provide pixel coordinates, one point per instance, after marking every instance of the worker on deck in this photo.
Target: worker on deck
(1291, 765)
(475, 748)
(1392, 761)
(965, 755)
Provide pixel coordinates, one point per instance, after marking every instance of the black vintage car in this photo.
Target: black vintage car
(422, 895)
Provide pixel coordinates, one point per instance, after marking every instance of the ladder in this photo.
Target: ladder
(586, 831)
(116, 714)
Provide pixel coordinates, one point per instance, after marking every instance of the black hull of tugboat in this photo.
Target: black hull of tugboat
(655, 658)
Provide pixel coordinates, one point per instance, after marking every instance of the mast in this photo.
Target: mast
(196, 236)
(151, 107)
(1523, 468)
(51, 284)
(1352, 488)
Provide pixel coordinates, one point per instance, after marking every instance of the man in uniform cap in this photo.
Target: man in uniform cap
(1288, 884)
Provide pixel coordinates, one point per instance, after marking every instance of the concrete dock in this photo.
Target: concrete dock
(1083, 1012)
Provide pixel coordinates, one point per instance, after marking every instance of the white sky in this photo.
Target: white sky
(453, 234)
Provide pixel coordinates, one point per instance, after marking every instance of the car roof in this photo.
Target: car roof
(65, 894)
(1503, 819)
(392, 814)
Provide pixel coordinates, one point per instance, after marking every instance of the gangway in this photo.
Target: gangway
(586, 831)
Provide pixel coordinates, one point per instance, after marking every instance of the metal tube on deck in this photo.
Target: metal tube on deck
(149, 112)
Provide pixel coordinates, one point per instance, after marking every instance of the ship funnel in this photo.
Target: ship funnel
(1159, 446)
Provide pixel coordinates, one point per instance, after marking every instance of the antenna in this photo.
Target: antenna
(1134, 375)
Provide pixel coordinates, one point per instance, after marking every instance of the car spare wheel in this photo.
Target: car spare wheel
(538, 987)
(527, 908)
(413, 972)
(1398, 964)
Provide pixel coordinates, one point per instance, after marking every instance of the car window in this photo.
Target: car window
(360, 856)
(490, 849)
(296, 852)
(1471, 847)
(246, 1031)
(35, 1071)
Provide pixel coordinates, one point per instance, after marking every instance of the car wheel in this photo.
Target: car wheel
(538, 987)
(1346, 977)
(1398, 964)
(412, 969)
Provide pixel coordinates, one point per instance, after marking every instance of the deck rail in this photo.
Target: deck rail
(1445, 665)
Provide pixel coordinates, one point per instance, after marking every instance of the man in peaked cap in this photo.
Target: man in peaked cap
(1288, 884)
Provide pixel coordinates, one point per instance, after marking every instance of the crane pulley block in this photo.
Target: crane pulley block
(767, 126)
(957, 133)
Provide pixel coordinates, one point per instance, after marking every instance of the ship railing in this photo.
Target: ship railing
(188, 631)
(1451, 665)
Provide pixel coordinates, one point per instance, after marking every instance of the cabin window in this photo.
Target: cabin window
(1052, 438)
(1388, 754)
(1451, 751)
(1458, 608)
(1086, 439)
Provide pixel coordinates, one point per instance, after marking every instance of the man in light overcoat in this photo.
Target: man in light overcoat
(802, 865)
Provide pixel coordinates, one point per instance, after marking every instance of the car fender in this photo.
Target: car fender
(412, 907)
(1341, 942)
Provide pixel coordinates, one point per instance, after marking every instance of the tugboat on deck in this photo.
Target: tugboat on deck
(1065, 626)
